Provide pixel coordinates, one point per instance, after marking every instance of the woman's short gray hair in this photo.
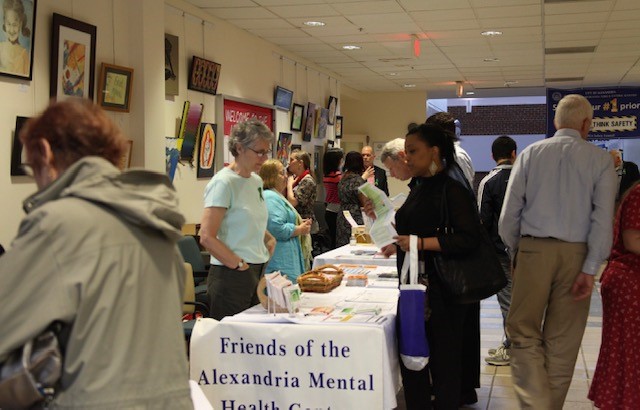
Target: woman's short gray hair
(391, 149)
(246, 133)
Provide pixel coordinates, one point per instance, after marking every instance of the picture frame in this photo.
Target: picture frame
(297, 115)
(283, 149)
(204, 75)
(310, 122)
(332, 107)
(322, 123)
(115, 87)
(21, 65)
(73, 58)
(171, 65)
(282, 98)
(189, 126)
(338, 126)
(125, 159)
(206, 150)
(18, 154)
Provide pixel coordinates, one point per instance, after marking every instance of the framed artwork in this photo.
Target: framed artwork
(114, 88)
(191, 116)
(338, 126)
(125, 160)
(322, 124)
(282, 98)
(18, 154)
(207, 150)
(17, 43)
(316, 127)
(332, 107)
(204, 75)
(310, 122)
(330, 143)
(296, 117)
(284, 147)
(171, 48)
(296, 147)
(73, 58)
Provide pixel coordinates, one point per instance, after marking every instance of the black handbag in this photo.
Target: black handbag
(30, 374)
(472, 276)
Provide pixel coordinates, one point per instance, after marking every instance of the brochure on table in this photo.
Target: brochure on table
(382, 230)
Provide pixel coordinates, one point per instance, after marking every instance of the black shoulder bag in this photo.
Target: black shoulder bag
(472, 276)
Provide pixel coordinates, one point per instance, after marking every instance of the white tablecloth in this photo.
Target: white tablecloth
(354, 254)
(338, 361)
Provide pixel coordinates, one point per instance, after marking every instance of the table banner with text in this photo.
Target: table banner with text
(242, 366)
(615, 110)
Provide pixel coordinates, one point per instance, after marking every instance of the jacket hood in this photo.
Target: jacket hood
(142, 197)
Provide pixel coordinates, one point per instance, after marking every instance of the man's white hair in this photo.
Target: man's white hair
(571, 111)
(391, 149)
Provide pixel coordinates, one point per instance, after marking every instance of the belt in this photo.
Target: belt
(539, 237)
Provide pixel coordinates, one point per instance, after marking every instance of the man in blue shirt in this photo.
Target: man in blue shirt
(491, 192)
(557, 224)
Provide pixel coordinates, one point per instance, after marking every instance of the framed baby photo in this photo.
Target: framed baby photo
(17, 37)
(114, 90)
(73, 58)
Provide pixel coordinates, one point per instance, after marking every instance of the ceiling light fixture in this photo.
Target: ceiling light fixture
(510, 83)
(459, 88)
(491, 33)
(351, 47)
(392, 74)
(314, 23)
(491, 60)
(470, 93)
(409, 85)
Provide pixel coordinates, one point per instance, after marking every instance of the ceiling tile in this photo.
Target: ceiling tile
(261, 23)
(241, 13)
(311, 11)
(420, 5)
(371, 7)
(507, 12)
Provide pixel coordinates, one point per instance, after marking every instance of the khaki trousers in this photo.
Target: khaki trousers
(545, 325)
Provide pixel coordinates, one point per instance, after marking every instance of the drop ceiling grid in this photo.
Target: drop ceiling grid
(452, 42)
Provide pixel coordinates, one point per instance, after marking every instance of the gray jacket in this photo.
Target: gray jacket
(97, 251)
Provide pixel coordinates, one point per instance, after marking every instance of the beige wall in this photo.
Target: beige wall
(131, 34)
(382, 117)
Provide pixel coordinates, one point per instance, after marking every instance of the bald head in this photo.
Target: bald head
(575, 112)
(367, 156)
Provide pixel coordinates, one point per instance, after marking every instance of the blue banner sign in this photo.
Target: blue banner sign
(615, 110)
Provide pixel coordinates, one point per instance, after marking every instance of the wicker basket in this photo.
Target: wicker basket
(323, 279)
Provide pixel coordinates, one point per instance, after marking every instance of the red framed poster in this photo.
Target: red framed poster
(235, 111)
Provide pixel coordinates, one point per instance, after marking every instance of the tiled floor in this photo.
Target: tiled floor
(496, 391)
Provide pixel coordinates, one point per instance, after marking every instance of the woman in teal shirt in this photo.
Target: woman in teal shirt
(284, 223)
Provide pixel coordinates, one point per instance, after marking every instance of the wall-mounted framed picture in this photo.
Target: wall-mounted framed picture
(125, 159)
(322, 123)
(282, 98)
(207, 150)
(338, 126)
(17, 37)
(310, 122)
(204, 75)
(284, 147)
(171, 66)
(73, 58)
(114, 87)
(332, 106)
(188, 132)
(296, 117)
(18, 154)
